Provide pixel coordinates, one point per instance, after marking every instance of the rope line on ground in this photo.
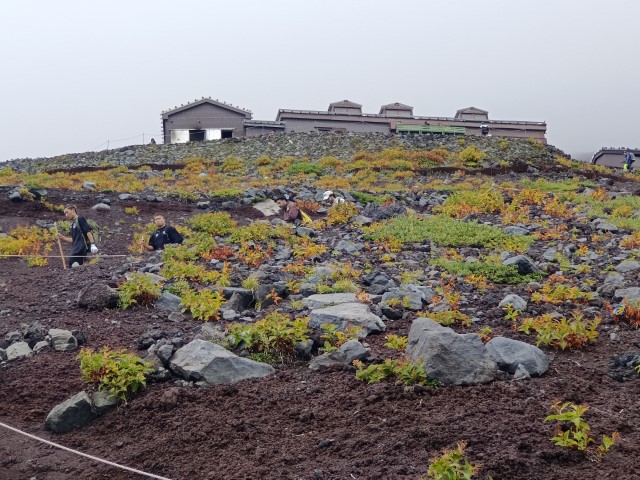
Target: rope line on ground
(113, 464)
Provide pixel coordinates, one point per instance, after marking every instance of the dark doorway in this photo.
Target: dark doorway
(226, 134)
(196, 135)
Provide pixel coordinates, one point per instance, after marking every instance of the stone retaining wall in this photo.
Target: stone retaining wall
(311, 145)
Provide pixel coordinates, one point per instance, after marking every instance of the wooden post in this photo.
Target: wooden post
(64, 263)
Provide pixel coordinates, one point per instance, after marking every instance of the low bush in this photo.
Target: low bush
(341, 213)
(444, 231)
(560, 332)
(502, 274)
(403, 371)
(573, 430)
(462, 204)
(334, 338)
(203, 305)
(219, 223)
(452, 465)
(138, 289)
(305, 168)
(114, 371)
(272, 339)
(471, 155)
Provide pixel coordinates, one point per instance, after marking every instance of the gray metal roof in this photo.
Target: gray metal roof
(396, 106)
(315, 114)
(195, 103)
(471, 110)
(344, 104)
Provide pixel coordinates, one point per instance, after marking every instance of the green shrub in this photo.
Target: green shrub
(367, 198)
(138, 289)
(232, 164)
(561, 332)
(114, 371)
(396, 342)
(574, 430)
(471, 155)
(258, 232)
(443, 231)
(331, 163)
(271, 339)
(226, 193)
(451, 465)
(219, 223)
(334, 338)
(503, 274)
(449, 317)
(184, 195)
(403, 371)
(203, 305)
(304, 167)
(177, 270)
(468, 202)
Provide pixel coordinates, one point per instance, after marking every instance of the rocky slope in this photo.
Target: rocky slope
(473, 268)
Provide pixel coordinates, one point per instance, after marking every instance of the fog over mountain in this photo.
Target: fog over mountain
(81, 76)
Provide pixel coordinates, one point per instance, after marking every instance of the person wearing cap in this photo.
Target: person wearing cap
(331, 197)
(290, 210)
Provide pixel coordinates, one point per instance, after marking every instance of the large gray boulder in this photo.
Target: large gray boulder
(33, 333)
(238, 299)
(168, 302)
(509, 353)
(63, 340)
(344, 355)
(17, 351)
(631, 294)
(70, 414)
(611, 283)
(627, 266)
(97, 296)
(345, 314)
(202, 360)
(523, 263)
(408, 299)
(103, 401)
(449, 357)
(267, 207)
(516, 301)
(328, 299)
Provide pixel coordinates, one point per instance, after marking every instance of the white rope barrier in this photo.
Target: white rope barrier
(139, 472)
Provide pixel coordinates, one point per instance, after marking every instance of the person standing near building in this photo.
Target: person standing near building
(629, 158)
(163, 235)
(81, 236)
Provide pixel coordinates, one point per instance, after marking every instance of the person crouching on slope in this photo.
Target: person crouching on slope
(81, 238)
(332, 199)
(291, 212)
(163, 235)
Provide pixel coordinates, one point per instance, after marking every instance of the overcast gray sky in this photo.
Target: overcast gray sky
(78, 74)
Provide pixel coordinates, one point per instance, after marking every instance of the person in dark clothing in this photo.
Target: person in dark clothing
(163, 235)
(81, 238)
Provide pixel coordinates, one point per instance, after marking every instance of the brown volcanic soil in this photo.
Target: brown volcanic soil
(296, 424)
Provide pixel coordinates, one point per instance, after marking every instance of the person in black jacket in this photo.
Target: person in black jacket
(163, 235)
(81, 238)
